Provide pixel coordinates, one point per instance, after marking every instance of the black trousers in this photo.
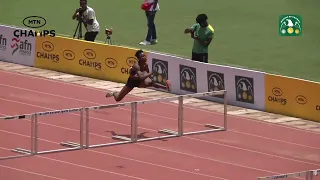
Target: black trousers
(152, 32)
(90, 36)
(200, 57)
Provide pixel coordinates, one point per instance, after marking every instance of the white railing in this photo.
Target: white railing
(84, 127)
(306, 175)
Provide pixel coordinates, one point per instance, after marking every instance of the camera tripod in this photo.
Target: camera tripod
(108, 40)
(78, 29)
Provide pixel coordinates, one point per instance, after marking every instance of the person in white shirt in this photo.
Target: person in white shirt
(89, 20)
(150, 7)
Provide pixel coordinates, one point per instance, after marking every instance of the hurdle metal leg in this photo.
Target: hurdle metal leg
(123, 139)
(213, 128)
(35, 134)
(32, 133)
(73, 145)
(180, 121)
(180, 116)
(225, 112)
(81, 128)
(134, 126)
(32, 140)
(87, 128)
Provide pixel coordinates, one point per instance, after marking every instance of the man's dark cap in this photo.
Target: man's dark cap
(201, 18)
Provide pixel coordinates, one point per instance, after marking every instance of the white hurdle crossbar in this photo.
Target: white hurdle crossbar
(307, 175)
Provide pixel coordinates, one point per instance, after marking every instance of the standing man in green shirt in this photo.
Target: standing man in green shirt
(202, 33)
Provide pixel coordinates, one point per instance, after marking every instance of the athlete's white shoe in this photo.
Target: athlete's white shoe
(109, 94)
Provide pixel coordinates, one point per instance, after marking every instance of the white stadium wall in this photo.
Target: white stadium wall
(19, 50)
(245, 88)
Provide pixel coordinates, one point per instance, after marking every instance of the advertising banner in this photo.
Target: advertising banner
(167, 67)
(84, 58)
(293, 97)
(245, 88)
(16, 46)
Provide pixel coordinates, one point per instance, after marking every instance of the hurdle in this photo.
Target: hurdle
(180, 132)
(134, 120)
(122, 139)
(84, 113)
(24, 152)
(71, 148)
(34, 131)
(307, 175)
(133, 124)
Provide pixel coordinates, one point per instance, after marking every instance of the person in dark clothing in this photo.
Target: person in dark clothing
(151, 7)
(140, 77)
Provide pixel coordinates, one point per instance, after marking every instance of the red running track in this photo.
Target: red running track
(249, 149)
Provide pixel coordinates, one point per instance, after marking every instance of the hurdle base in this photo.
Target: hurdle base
(21, 151)
(168, 131)
(215, 129)
(110, 144)
(69, 144)
(212, 126)
(122, 138)
(15, 157)
(157, 138)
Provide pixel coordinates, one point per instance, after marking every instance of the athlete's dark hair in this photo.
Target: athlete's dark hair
(138, 54)
(201, 18)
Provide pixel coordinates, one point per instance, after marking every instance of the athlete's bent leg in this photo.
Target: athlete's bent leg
(118, 96)
(148, 82)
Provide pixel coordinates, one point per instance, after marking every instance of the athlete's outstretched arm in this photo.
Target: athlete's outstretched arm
(140, 75)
